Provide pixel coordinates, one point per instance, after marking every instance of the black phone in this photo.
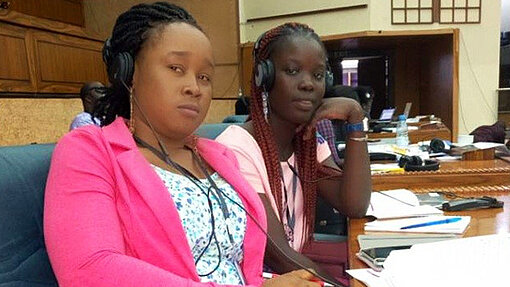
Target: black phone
(374, 257)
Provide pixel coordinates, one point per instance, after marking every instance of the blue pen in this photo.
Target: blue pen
(442, 221)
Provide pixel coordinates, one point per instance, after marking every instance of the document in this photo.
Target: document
(467, 262)
(426, 224)
(472, 261)
(398, 203)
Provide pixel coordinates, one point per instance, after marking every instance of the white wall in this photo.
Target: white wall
(327, 23)
(478, 60)
(505, 15)
(478, 46)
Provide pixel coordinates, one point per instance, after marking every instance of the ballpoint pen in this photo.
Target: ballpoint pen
(267, 275)
(442, 221)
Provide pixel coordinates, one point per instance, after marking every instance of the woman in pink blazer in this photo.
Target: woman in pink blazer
(141, 202)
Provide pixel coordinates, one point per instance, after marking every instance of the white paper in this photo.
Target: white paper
(398, 203)
(368, 276)
(468, 262)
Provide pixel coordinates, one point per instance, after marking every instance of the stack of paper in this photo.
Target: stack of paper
(468, 262)
(398, 203)
(367, 241)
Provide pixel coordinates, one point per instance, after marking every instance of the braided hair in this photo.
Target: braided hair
(130, 33)
(308, 167)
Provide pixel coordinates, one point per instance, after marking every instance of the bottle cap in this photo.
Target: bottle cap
(402, 117)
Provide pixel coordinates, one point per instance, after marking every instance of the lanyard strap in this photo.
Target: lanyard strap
(291, 216)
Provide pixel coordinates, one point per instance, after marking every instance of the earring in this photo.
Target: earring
(131, 115)
(265, 106)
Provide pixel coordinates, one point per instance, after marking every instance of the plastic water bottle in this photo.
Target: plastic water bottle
(402, 132)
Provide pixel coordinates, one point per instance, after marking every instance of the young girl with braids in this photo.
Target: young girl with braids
(278, 151)
(140, 202)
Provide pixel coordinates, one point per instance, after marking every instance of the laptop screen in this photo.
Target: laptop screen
(387, 114)
(407, 109)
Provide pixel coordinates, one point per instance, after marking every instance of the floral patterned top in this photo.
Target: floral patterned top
(194, 208)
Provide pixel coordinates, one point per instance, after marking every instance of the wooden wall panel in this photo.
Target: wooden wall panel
(226, 82)
(219, 110)
(14, 59)
(66, 11)
(407, 77)
(246, 67)
(64, 63)
(436, 79)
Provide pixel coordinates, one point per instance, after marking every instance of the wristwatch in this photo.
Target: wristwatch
(357, 127)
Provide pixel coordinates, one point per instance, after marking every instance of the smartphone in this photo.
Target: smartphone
(374, 257)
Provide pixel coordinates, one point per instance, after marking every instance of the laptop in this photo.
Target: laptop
(386, 115)
(407, 109)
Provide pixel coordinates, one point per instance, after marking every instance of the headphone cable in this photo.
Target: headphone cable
(295, 262)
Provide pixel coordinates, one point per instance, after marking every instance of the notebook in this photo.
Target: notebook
(396, 225)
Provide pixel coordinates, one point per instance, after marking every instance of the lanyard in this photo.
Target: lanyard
(289, 214)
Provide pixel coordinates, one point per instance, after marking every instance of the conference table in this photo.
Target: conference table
(464, 178)
(415, 136)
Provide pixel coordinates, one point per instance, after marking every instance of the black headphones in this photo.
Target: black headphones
(121, 68)
(436, 146)
(415, 163)
(264, 73)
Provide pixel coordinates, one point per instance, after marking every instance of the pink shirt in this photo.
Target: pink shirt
(109, 220)
(253, 168)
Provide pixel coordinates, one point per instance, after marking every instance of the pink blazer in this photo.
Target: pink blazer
(110, 221)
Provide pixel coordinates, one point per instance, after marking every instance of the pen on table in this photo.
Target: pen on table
(442, 221)
(267, 275)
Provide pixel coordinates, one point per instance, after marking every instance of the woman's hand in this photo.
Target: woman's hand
(335, 109)
(298, 278)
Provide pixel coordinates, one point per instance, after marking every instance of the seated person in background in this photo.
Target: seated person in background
(242, 106)
(141, 202)
(90, 93)
(493, 133)
(366, 97)
(333, 131)
(278, 151)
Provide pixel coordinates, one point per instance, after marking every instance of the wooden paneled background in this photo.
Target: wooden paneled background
(52, 47)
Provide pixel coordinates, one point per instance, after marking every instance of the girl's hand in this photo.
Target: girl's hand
(335, 109)
(298, 278)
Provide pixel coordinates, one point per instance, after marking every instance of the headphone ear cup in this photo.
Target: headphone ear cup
(403, 160)
(429, 165)
(437, 145)
(415, 160)
(107, 51)
(264, 74)
(121, 70)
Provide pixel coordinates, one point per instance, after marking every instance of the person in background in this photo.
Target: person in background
(334, 130)
(279, 152)
(366, 97)
(90, 94)
(140, 201)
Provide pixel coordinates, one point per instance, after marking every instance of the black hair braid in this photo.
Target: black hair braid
(274, 41)
(129, 34)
